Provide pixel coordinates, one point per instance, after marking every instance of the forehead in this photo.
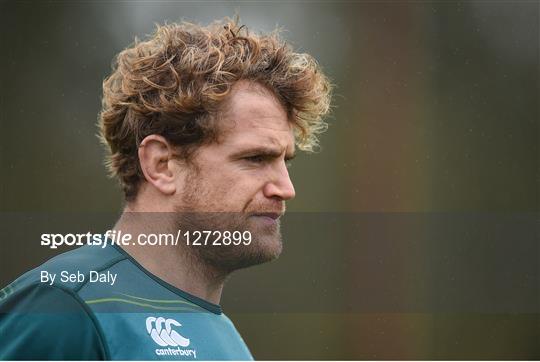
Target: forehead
(253, 114)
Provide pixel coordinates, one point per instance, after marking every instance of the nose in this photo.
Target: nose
(280, 186)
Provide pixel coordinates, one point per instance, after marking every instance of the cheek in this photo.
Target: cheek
(238, 188)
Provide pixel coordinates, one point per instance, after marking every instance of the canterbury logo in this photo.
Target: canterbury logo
(160, 329)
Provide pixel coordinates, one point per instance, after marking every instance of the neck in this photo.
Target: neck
(175, 264)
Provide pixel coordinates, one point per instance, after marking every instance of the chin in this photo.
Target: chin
(266, 240)
(269, 246)
(264, 248)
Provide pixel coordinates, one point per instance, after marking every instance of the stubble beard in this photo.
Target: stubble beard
(265, 245)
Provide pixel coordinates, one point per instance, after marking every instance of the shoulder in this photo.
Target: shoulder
(42, 318)
(48, 322)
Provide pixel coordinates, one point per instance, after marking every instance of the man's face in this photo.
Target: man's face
(242, 182)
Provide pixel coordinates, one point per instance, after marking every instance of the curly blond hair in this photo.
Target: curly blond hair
(173, 84)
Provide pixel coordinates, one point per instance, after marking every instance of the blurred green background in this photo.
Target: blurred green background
(414, 233)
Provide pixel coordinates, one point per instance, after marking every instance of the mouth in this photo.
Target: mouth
(270, 218)
(270, 215)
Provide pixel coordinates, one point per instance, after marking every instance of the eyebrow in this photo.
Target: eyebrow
(262, 151)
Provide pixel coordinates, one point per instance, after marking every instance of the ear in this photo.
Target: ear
(154, 156)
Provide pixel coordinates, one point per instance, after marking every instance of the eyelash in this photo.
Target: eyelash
(262, 158)
(256, 158)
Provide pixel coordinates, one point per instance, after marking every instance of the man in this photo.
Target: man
(200, 123)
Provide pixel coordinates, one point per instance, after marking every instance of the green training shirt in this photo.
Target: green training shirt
(103, 305)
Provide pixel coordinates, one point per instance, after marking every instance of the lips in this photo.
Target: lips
(271, 215)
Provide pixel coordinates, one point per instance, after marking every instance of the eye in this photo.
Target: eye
(255, 158)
